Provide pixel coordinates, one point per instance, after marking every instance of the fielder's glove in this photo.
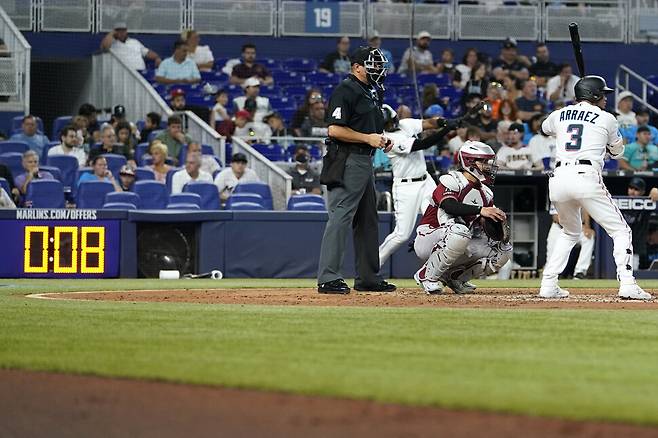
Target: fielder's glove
(498, 231)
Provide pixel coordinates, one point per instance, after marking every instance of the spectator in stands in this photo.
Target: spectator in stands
(641, 154)
(119, 116)
(514, 155)
(191, 172)
(124, 137)
(277, 128)
(304, 179)
(562, 85)
(485, 122)
(100, 172)
(30, 135)
(201, 55)
(458, 140)
(80, 123)
(642, 116)
(178, 69)
(315, 124)
(69, 145)
(109, 145)
(376, 42)
(312, 95)
(446, 66)
(127, 49)
(543, 68)
(151, 123)
(469, 60)
(127, 177)
(625, 114)
(5, 173)
(528, 103)
(219, 112)
(208, 162)
(159, 152)
(5, 200)
(174, 137)
(227, 179)
(404, 112)
(257, 106)
(494, 96)
(422, 57)
(508, 111)
(430, 95)
(249, 131)
(32, 172)
(177, 102)
(88, 111)
(510, 62)
(542, 146)
(249, 68)
(339, 60)
(479, 81)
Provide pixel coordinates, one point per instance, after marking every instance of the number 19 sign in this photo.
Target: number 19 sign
(322, 17)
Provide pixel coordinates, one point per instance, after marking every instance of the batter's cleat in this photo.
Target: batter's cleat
(382, 286)
(429, 286)
(461, 287)
(553, 292)
(334, 287)
(633, 292)
(579, 276)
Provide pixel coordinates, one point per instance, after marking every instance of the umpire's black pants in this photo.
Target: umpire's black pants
(354, 205)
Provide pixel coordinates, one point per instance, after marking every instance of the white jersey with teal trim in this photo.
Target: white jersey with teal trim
(582, 132)
(404, 162)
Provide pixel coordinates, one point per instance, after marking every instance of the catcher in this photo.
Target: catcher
(462, 234)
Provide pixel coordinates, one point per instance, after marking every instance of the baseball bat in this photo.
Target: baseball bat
(577, 48)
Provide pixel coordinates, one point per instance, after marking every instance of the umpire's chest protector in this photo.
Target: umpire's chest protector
(366, 115)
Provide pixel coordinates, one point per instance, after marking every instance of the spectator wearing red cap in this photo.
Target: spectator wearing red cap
(249, 68)
(178, 99)
(249, 131)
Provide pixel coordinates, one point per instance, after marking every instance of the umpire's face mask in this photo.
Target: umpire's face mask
(375, 67)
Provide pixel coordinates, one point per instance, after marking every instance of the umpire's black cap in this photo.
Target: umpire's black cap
(638, 183)
(361, 54)
(591, 88)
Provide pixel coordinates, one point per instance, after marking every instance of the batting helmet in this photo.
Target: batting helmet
(390, 118)
(591, 88)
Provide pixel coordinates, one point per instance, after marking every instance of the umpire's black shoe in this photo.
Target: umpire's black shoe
(382, 286)
(334, 287)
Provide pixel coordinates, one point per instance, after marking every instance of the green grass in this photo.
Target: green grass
(578, 364)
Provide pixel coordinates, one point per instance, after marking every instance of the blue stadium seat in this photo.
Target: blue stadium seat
(610, 165)
(270, 91)
(244, 197)
(54, 171)
(258, 187)
(185, 198)
(288, 78)
(140, 150)
(123, 197)
(297, 199)
(270, 63)
(144, 174)
(300, 64)
(153, 134)
(271, 152)
(91, 194)
(114, 163)
(282, 102)
(17, 124)
(297, 90)
(287, 114)
(44, 153)
(208, 192)
(119, 206)
(58, 124)
(247, 206)
(438, 80)
(320, 78)
(183, 206)
(308, 206)
(397, 80)
(45, 193)
(5, 185)
(13, 146)
(451, 93)
(68, 165)
(14, 161)
(169, 177)
(153, 194)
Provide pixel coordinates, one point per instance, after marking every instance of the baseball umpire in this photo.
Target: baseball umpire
(356, 126)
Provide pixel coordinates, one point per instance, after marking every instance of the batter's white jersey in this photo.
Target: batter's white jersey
(404, 162)
(582, 131)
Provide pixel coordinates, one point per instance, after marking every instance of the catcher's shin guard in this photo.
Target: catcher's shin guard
(499, 255)
(447, 251)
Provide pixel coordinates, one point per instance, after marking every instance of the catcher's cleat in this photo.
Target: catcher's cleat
(429, 286)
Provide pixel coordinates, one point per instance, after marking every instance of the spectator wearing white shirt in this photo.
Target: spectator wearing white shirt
(178, 68)
(129, 50)
(625, 114)
(191, 172)
(257, 105)
(227, 179)
(420, 55)
(208, 162)
(513, 155)
(542, 146)
(201, 55)
(70, 145)
(36, 140)
(561, 87)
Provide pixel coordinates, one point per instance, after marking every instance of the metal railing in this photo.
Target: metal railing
(598, 20)
(145, 16)
(279, 181)
(14, 67)
(641, 89)
(232, 17)
(201, 132)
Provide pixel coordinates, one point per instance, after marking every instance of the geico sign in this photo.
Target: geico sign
(635, 204)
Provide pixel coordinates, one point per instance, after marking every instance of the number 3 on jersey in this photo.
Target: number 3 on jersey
(576, 132)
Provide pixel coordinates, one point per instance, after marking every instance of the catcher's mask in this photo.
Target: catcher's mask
(374, 61)
(391, 120)
(479, 160)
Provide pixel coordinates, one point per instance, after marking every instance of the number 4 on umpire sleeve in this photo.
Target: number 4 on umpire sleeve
(576, 132)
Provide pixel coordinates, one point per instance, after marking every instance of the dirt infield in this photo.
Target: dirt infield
(410, 297)
(36, 404)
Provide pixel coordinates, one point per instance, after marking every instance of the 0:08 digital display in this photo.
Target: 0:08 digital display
(64, 249)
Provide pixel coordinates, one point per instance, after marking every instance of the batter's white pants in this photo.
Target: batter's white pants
(586, 248)
(409, 199)
(573, 187)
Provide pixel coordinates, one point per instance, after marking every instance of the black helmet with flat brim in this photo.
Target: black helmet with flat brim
(591, 88)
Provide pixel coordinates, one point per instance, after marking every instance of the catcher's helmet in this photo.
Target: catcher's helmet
(374, 62)
(473, 152)
(591, 88)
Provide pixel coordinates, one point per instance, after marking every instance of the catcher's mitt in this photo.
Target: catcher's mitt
(498, 231)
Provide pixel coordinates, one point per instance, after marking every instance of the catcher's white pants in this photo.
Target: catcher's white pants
(409, 199)
(573, 187)
(586, 248)
(478, 255)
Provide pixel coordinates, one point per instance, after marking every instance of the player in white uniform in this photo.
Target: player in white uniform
(449, 236)
(586, 242)
(412, 185)
(584, 132)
